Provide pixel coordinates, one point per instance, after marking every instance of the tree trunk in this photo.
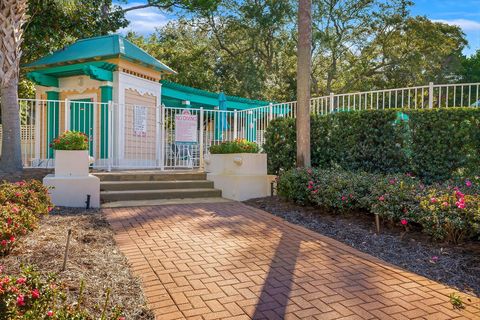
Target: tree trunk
(11, 156)
(304, 58)
(12, 18)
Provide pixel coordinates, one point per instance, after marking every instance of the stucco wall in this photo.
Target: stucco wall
(140, 146)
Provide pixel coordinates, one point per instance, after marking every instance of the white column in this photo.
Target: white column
(430, 95)
(201, 140)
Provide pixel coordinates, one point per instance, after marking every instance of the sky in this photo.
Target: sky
(464, 13)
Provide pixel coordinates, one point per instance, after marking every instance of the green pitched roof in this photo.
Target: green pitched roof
(109, 46)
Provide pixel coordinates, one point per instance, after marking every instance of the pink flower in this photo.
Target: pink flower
(4, 243)
(35, 294)
(50, 209)
(18, 194)
(434, 258)
(392, 181)
(50, 313)
(310, 187)
(381, 198)
(404, 222)
(12, 239)
(433, 200)
(460, 204)
(15, 210)
(445, 204)
(344, 198)
(21, 280)
(468, 183)
(9, 221)
(121, 318)
(20, 300)
(459, 194)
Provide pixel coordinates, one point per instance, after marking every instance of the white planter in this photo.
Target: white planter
(237, 163)
(69, 163)
(240, 176)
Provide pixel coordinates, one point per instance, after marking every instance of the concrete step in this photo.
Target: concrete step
(162, 202)
(154, 185)
(107, 196)
(150, 176)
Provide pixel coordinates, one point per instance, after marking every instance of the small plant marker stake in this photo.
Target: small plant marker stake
(66, 250)
(377, 223)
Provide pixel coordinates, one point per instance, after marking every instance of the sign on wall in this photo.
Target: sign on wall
(140, 121)
(186, 127)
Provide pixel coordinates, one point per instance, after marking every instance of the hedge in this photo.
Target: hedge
(433, 144)
(448, 211)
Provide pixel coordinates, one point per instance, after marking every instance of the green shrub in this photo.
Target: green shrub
(434, 144)
(22, 204)
(34, 296)
(70, 140)
(280, 144)
(398, 198)
(236, 146)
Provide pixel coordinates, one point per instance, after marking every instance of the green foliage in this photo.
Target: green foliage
(446, 211)
(236, 146)
(280, 144)
(70, 140)
(35, 296)
(22, 205)
(434, 144)
(471, 68)
(445, 142)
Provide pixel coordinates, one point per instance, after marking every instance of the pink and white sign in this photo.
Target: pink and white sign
(186, 127)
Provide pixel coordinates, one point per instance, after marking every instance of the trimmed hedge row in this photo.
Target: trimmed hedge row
(434, 144)
(448, 211)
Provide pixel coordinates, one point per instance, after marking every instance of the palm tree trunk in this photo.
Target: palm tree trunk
(304, 57)
(11, 156)
(12, 18)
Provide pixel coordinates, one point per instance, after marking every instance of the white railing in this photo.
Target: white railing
(429, 96)
(143, 136)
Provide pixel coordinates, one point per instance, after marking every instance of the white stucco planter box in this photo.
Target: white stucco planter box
(70, 163)
(72, 191)
(72, 184)
(237, 163)
(240, 176)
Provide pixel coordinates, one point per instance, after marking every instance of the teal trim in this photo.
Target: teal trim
(81, 118)
(98, 48)
(173, 94)
(98, 73)
(53, 122)
(43, 79)
(107, 96)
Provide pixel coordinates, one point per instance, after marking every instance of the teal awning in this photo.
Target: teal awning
(175, 95)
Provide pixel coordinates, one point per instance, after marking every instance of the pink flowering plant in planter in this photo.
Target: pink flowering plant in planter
(70, 140)
(32, 295)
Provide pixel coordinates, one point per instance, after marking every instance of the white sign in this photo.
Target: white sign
(140, 121)
(186, 127)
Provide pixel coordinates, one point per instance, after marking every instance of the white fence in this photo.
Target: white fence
(143, 136)
(429, 96)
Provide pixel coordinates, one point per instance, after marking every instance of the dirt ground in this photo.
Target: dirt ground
(93, 257)
(456, 266)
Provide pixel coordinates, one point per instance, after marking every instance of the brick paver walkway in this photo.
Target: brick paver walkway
(231, 261)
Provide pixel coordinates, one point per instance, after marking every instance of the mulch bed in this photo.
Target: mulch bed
(93, 257)
(457, 266)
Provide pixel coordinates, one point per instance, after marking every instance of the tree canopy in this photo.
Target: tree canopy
(248, 47)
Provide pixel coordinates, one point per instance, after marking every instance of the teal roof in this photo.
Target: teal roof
(109, 46)
(174, 93)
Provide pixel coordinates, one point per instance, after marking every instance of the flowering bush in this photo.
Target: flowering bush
(33, 296)
(395, 197)
(70, 140)
(236, 146)
(447, 211)
(21, 206)
(448, 214)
